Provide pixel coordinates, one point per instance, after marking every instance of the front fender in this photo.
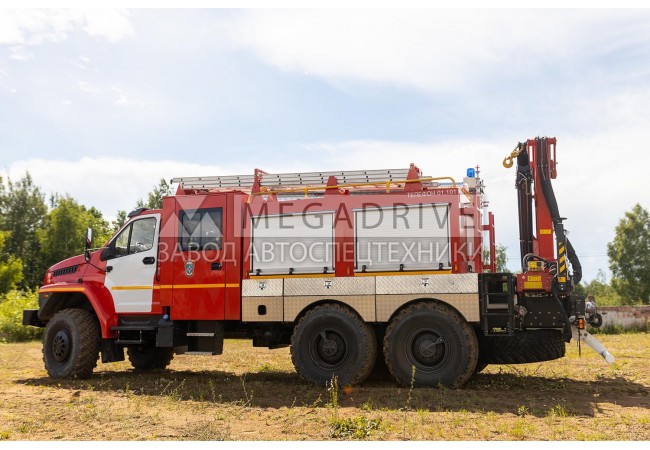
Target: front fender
(54, 297)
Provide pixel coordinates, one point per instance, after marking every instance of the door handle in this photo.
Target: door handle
(215, 266)
(109, 268)
(149, 260)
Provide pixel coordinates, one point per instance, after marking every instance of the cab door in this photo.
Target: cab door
(199, 272)
(131, 269)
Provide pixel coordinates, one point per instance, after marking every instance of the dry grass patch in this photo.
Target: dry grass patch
(254, 394)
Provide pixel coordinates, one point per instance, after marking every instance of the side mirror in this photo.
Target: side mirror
(88, 243)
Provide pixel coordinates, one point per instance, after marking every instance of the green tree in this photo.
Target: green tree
(502, 258)
(119, 221)
(102, 230)
(601, 290)
(629, 257)
(23, 214)
(154, 198)
(63, 234)
(11, 268)
(3, 202)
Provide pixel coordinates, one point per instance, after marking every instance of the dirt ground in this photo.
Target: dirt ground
(254, 394)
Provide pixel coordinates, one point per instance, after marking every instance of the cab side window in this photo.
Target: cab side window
(142, 235)
(122, 242)
(200, 229)
(135, 238)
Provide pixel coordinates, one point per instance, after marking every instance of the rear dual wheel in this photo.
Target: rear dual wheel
(428, 344)
(330, 340)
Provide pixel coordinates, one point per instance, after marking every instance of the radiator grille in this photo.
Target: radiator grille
(64, 271)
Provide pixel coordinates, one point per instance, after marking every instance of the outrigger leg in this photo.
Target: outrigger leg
(584, 336)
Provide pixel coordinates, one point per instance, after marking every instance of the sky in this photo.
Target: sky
(101, 104)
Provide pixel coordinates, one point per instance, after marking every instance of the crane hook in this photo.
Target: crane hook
(507, 161)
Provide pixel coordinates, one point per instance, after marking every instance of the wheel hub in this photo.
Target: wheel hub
(428, 348)
(330, 347)
(61, 345)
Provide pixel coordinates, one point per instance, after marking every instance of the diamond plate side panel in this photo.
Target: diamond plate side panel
(338, 286)
(362, 304)
(466, 304)
(262, 287)
(456, 283)
(274, 309)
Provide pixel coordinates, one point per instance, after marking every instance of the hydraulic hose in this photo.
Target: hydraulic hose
(575, 262)
(524, 203)
(551, 201)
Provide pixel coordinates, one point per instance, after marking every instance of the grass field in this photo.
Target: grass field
(254, 394)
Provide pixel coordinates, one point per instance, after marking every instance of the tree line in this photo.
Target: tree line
(35, 234)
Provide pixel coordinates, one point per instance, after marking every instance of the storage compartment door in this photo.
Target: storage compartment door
(411, 237)
(293, 244)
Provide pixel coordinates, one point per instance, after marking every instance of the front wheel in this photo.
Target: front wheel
(430, 344)
(331, 340)
(71, 344)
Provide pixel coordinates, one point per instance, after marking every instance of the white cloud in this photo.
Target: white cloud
(123, 100)
(109, 94)
(112, 25)
(33, 27)
(434, 50)
(19, 53)
(107, 183)
(88, 88)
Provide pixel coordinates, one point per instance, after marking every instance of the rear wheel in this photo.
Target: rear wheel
(331, 340)
(150, 358)
(480, 366)
(430, 344)
(71, 344)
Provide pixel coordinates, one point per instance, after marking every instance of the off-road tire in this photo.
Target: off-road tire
(380, 371)
(480, 366)
(71, 344)
(522, 348)
(435, 340)
(347, 351)
(150, 358)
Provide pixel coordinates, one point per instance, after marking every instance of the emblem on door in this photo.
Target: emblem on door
(189, 268)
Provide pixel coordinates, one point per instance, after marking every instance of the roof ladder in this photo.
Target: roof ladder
(274, 181)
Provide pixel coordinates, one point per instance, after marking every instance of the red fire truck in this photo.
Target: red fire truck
(344, 267)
